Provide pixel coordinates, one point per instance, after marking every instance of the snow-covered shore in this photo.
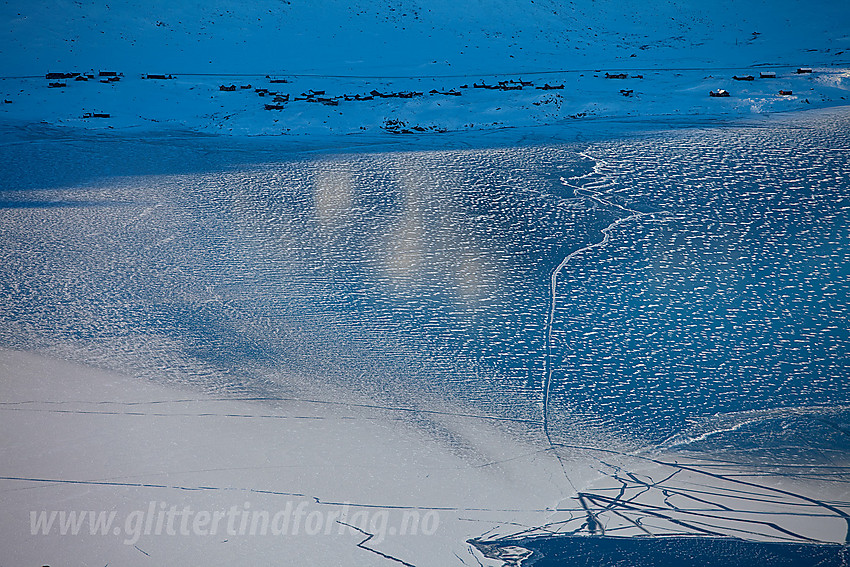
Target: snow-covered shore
(82, 439)
(348, 105)
(101, 468)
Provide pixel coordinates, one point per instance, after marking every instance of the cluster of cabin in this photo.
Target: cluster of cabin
(762, 75)
(278, 99)
(510, 85)
(621, 76)
(312, 96)
(401, 94)
(319, 96)
(60, 76)
(58, 80)
(232, 88)
(103, 76)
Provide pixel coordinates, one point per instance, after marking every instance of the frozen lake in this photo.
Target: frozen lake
(419, 275)
(680, 290)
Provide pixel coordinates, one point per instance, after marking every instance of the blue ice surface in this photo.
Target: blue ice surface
(697, 273)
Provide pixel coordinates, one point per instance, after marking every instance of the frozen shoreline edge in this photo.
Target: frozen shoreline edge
(567, 132)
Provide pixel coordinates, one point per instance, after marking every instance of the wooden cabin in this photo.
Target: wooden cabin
(719, 93)
(767, 75)
(59, 76)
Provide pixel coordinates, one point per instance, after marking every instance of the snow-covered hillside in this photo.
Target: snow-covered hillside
(411, 37)
(673, 52)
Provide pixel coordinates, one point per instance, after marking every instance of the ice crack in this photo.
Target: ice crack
(596, 185)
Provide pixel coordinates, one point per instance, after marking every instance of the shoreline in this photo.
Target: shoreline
(594, 129)
(414, 108)
(83, 439)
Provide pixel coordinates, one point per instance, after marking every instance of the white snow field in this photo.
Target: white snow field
(671, 52)
(80, 439)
